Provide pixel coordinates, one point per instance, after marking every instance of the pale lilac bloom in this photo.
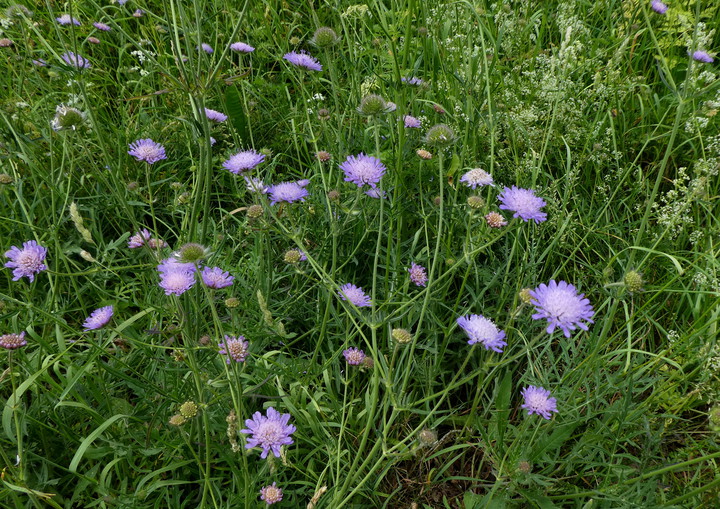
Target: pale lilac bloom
(703, 56)
(538, 401)
(355, 295)
(98, 318)
(177, 282)
(412, 81)
(206, 48)
(66, 19)
(241, 47)
(172, 264)
(243, 161)
(13, 341)
(215, 116)
(354, 356)
(255, 185)
(482, 330)
(562, 306)
(147, 150)
(39, 62)
(477, 177)
(418, 274)
(411, 122)
(101, 26)
(154, 243)
(375, 193)
(658, 6)
(524, 203)
(216, 278)
(271, 494)
(236, 348)
(75, 60)
(303, 60)
(270, 433)
(362, 170)
(288, 192)
(138, 13)
(139, 239)
(28, 261)
(391, 106)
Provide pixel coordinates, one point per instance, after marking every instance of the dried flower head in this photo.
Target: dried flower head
(323, 156)
(232, 302)
(191, 252)
(633, 281)
(424, 154)
(5, 42)
(323, 114)
(495, 220)
(427, 437)
(99, 318)
(270, 432)
(354, 356)
(562, 306)
(525, 296)
(177, 420)
(482, 330)
(538, 401)
(254, 211)
(294, 256)
(236, 348)
(5, 179)
(402, 336)
(93, 40)
(28, 261)
(355, 295)
(477, 177)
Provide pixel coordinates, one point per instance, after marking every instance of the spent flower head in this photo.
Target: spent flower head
(482, 330)
(271, 494)
(440, 135)
(99, 318)
(236, 348)
(28, 261)
(373, 104)
(495, 220)
(270, 431)
(67, 117)
(13, 341)
(562, 306)
(523, 203)
(324, 37)
(192, 252)
(402, 336)
(538, 401)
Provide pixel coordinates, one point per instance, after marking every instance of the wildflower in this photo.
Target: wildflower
(191, 252)
(538, 401)
(67, 117)
(18, 10)
(13, 341)
(176, 278)
(147, 150)
(75, 60)
(98, 318)
(418, 274)
(139, 14)
(39, 62)
(27, 261)
(294, 256)
(415, 81)
(236, 348)
(5, 42)
(243, 161)
(206, 48)
(324, 37)
(354, 356)
(354, 295)
(477, 177)
(101, 26)
(702, 56)
(303, 60)
(495, 220)
(288, 192)
(241, 47)
(271, 494)
(93, 40)
(411, 122)
(633, 281)
(658, 6)
(373, 104)
(139, 239)
(66, 19)
(216, 278)
(424, 154)
(402, 336)
(323, 156)
(476, 202)
(375, 193)
(561, 305)
(524, 203)
(254, 211)
(189, 409)
(362, 169)
(172, 264)
(270, 433)
(480, 329)
(215, 116)
(440, 135)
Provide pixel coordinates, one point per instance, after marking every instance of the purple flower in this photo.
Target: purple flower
(354, 356)
(658, 6)
(139, 14)
(477, 177)
(288, 192)
(139, 239)
(13, 341)
(236, 348)
(215, 116)
(147, 150)
(303, 60)
(561, 305)
(255, 185)
(101, 26)
(75, 60)
(271, 494)
(98, 318)
(411, 122)
(206, 48)
(375, 193)
(243, 161)
(480, 329)
(27, 261)
(702, 56)
(538, 401)
(216, 278)
(270, 433)
(524, 203)
(172, 263)
(39, 62)
(176, 277)
(362, 169)
(66, 19)
(418, 274)
(241, 47)
(412, 81)
(354, 295)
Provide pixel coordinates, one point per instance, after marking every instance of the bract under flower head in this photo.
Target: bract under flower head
(482, 330)
(269, 432)
(243, 161)
(362, 169)
(562, 306)
(524, 203)
(538, 401)
(28, 261)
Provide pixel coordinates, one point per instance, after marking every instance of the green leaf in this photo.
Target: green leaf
(234, 109)
(502, 401)
(90, 439)
(554, 441)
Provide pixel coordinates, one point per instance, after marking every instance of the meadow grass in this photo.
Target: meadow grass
(597, 107)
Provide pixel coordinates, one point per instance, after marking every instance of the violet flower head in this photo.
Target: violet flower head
(138, 13)
(147, 150)
(206, 48)
(354, 356)
(477, 177)
(418, 275)
(412, 81)
(139, 239)
(66, 19)
(482, 330)
(236, 348)
(216, 278)
(215, 116)
(303, 60)
(411, 122)
(355, 295)
(703, 56)
(13, 341)
(288, 192)
(243, 161)
(524, 203)
(562, 306)
(269, 432)
(271, 494)
(241, 47)
(376, 193)
(101, 26)
(28, 261)
(176, 277)
(538, 401)
(362, 169)
(255, 185)
(172, 263)
(98, 318)
(658, 6)
(75, 60)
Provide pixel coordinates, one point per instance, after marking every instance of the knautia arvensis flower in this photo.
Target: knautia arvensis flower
(355, 295)
(354, 356)
(538, 401)
(243, 161)
(303, 60)
(99, 318)
(147, 150)
(216, 278)
(235, 348)
(482, 330)
(363, 170)
(270, 432)
(418, 274)
(28, 261)
(271, 494)
(562, 307)
(13, 341)
(524, 203)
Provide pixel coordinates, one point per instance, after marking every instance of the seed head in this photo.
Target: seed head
(402, 336)
(373, 104)
(427, 437)
(189, 409)
(323, 156)
(176, 420)
(424, 154)
(495, 220)
(440, 135)
(476, 202)
(191, 252)
(5, 178)
(323, 114)
(633, 281)
(324, 37)
(254, 211)
(333, 195)
(525, 296)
